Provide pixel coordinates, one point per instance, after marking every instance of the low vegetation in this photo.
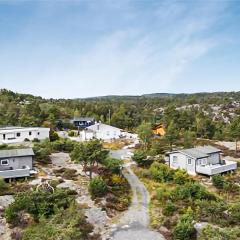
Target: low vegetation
(178, 201)
(39, 215)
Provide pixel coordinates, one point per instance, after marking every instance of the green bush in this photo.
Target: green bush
(71, 133)
(161, 172)
(97, 187)
(180, 177)
(234, 211)
(214, 233)
(184, 229)
(65, 224)
(37, 204)
(113, 165)
(162, 194)
(63, 145)
(3, 186)
(218, 181)
(192, 191)
(212, 211)
(140, 157)
(169, 208)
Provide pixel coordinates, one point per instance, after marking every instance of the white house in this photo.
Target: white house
(20, 134)
(100, 131)
(205, 160)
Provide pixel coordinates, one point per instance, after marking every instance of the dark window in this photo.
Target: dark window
(5, 162)
(4, 136)
(38, 133)
(30, 133)
(18, 134)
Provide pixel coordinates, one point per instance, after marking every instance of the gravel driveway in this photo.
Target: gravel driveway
(134, 223)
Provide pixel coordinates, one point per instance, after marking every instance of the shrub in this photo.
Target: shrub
(234, 212)
(180, 177)
(53, 136)
(212, 211)
(3, 146)
(169, 209)
(3, 186)
(71, 133)
(218, 181)
(162, 194)
(192, 191)
(72, 226)
(140, 157)
(97, 187)
(214, 233)
(161, 172)
(184, 229)
(26, 140)
(37, 203)
(113, 165)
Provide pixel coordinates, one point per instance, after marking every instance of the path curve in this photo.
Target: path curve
(134, 223)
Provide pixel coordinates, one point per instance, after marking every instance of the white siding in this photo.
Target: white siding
(182, 162)
(12, 135)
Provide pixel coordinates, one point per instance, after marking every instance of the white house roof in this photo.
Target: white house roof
(102, 127)
(16, 153)
(22, 129)
(199, 152)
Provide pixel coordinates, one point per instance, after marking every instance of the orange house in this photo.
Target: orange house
(158, 129)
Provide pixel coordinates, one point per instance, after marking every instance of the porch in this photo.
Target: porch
(15, 173)
(212, 169)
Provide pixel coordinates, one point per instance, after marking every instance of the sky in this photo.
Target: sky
(85, 48)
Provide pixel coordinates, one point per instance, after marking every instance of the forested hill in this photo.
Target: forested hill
(185, 110)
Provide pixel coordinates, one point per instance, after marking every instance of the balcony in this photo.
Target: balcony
(15, 173)
(216, 168)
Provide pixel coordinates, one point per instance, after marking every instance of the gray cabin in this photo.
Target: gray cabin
(16, 163)
(206, 160)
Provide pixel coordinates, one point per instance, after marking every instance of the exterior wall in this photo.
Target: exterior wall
(17, 163)
(25, 133)
(214, 158)
(182, 162)
(106, 134)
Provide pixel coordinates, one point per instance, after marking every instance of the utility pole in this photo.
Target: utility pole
(109, 116)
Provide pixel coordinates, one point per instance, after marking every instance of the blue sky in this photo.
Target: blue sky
(99, 47)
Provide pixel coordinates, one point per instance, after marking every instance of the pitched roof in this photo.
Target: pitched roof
(193, 152)
(102, 127)
(200, 152)
(16, 152)
(208, 149)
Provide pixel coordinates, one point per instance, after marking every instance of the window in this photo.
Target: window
(204, 162)
(4, 162)
(18, 134)
(174, 159)
(38, 133)
(189, 161)
(4, 136)
(30, 133)
(108, 133)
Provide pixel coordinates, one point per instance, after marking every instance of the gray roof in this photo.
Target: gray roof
(16, 152)
(200, 152)
(208, 149)
(193, 152)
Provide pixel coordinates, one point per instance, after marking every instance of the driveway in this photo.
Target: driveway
(134, 224)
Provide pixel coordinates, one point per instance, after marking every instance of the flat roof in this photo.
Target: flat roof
(12, 129)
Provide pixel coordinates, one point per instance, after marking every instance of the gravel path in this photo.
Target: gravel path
(134, 223)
